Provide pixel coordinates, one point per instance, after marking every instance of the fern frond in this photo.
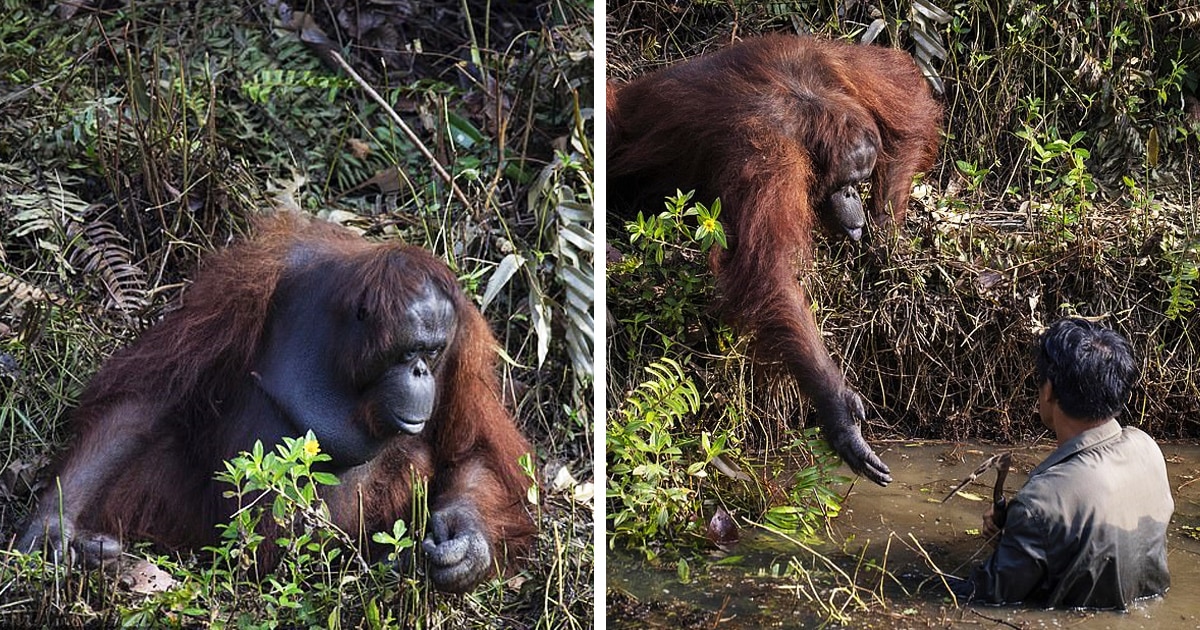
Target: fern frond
(103, 251)
(668, 395)
(573, 249)
(16, 294)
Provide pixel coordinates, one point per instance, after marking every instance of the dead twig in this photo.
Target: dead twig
(994, 619)
(412, 136)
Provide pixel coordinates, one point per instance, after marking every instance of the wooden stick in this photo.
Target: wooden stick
(437, 166)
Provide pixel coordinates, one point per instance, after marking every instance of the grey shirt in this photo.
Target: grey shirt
(1089, 528)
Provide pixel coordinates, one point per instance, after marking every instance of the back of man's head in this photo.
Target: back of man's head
(1090, 367)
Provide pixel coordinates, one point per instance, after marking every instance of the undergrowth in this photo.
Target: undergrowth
(677, 465)
(321, 578)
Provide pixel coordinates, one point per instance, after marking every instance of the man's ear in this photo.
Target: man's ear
(1046, 395)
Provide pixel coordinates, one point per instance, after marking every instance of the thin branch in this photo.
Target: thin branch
(437, 166)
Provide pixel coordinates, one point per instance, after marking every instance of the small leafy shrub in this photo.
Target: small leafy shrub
(286, 478)
(320, 575)
(1059, 168)
(652, 489)
(659, 290)
(810, 499)
(1183, 278)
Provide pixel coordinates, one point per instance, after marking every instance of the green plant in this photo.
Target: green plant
(259, 89)
(319, 577)
(651, 490)
(285, 481)
(811, 499)
(658, 291)
(562, 194)
(1059, 168)
(974, 173)
(1182, 278)
(668, 229)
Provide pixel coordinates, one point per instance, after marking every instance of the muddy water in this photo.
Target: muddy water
(881, 524)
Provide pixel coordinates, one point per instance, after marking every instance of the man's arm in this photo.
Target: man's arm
(1018, 566)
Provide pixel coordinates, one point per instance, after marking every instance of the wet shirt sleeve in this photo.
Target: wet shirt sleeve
(1016, 571)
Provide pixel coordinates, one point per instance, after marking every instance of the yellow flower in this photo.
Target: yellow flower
(311, 447)
(710, 224)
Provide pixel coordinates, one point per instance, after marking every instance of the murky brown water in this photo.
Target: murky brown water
(885, 521)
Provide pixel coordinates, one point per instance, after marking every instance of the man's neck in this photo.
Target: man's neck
(1066, 427)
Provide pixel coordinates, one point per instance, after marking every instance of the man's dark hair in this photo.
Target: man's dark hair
(1090, 367)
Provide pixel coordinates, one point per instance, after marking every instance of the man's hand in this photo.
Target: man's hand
(990, 530)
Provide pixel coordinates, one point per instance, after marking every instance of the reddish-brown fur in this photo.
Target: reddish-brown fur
(765, 125)
(153, 408)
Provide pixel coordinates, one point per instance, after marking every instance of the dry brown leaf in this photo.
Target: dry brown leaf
(145, 578)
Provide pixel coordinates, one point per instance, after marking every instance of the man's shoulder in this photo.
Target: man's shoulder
(1137, 438)
(1041, 496)
(1130, 432)
(1132, 456)
(1044, 490)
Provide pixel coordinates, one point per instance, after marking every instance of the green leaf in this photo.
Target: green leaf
(463, 133)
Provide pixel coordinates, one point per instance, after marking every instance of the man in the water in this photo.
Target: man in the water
(1089, 528)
